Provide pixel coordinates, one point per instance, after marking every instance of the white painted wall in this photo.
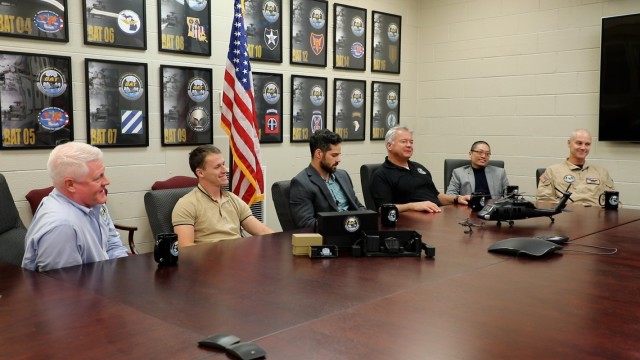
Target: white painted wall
(520, 74)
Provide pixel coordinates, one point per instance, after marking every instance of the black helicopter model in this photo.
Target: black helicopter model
(515, 207)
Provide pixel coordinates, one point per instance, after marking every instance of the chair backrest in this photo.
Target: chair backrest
(159, 206)
(12, 230)
(175, 183)
(539, 172)
(280, 196)
(452, 164)
(35, 196)
(366, 173)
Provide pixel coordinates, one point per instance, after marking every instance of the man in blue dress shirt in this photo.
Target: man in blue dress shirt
(72, 225)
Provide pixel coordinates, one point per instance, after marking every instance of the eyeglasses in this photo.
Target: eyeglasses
(482, 153)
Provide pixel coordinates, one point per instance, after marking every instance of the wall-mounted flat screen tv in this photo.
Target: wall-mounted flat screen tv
(620, 79)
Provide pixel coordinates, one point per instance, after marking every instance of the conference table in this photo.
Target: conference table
(465, 303)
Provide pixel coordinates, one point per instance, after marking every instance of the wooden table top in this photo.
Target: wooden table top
(43, 318)
(565, 306)
(465, 303)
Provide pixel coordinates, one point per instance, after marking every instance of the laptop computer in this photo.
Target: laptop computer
(344, 228)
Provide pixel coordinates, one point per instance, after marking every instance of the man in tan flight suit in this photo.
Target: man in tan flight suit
(586, 181)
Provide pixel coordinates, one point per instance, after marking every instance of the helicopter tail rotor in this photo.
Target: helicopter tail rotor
(566, 196)
(564, 192)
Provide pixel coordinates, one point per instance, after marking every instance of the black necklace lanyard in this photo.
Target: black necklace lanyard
(233, 203)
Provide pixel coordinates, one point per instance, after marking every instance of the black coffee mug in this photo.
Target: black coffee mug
(389, 215)
(477, 201)
(512, 189)
(165, 251)
(611, 199)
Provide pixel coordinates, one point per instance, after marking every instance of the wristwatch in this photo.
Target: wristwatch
(455, 199)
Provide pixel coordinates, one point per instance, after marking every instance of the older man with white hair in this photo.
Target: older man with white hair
(72, 225)
(405, 183)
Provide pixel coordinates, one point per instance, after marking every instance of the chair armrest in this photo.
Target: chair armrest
(131, 230)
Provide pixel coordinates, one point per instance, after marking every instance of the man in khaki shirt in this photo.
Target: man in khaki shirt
(209, 213)
(586, 181)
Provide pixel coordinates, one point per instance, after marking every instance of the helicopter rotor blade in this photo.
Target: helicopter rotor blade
(468, 222)
(499, 195)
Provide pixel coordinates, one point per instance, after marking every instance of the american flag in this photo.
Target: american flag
(239, 116)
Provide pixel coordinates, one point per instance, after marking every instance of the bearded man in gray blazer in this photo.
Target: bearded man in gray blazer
(321, 186)
(479, 177)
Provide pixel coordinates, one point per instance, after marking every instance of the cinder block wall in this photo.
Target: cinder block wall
(521, 74)
(133, 170)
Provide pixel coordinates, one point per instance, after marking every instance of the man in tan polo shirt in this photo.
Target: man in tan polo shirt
(209, 213)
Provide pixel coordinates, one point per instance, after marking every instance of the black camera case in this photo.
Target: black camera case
(388, 243)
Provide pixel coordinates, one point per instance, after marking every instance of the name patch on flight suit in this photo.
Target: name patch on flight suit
(593, 181)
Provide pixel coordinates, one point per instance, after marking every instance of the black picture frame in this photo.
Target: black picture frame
(349, 37)
(268, 90)
(186, 105)
(115, 23)
(184, 28)
(263, 22)
(349, 109)
(35, 19)
(117, 107)
(386, 42)
(385, 108)
(308, 106)
(309, 22)
(36, 101)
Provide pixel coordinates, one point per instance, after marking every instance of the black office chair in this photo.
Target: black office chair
(12, 230)
(452, 164)
(159, 206)
(280, 195)
(539, 172)
(366, 173)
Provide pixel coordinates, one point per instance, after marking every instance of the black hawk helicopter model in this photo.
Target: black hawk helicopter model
(515, 207)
